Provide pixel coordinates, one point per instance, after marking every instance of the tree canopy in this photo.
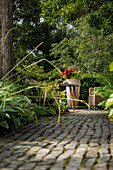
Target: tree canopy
(78, 32)
(89, 42)
(31, 30)
(100, 12)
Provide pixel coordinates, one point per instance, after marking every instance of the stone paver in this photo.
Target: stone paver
(83, 140)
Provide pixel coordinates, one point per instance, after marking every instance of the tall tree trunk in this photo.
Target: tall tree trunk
(5, 26)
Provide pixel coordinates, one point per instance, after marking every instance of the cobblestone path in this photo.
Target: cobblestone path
(82, 141)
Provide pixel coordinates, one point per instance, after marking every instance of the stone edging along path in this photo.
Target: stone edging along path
(83, 140)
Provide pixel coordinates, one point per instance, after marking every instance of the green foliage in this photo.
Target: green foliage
(44, 83)
(99, 12)
(53, 11)
(63, 100)
(102, 17)
(107, 78)
(38, 73)
(44, 111)
(111, 66)
(64, 53)
(87, 44)
(16, 109)
(107, 92)
(31, 30)
(77, 75)
(84, 47)
(13, 107)
(45, 94)
(110, 100)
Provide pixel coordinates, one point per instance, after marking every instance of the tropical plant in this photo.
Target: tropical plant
(107, 92)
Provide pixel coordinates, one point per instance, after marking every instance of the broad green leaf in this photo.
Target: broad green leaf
(7, 109)
(17, 122)
(111, 96)
(19, 108)
(109, 102)
(1, 84)
(16, 103)
(4, 124)
(4, 115)
(7, 99)
(24, 98)
(2, 93)
(111, 113)
(7, 115)
(111, 66)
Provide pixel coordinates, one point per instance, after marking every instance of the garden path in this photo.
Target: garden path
(83, 140)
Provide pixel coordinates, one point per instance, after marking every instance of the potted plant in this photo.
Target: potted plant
(72, 77)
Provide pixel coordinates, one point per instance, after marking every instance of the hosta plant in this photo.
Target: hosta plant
(13, 106)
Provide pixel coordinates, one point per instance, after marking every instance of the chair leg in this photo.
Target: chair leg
(71, 97)
(75, 96)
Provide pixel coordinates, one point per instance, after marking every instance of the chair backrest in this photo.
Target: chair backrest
(91, 89)
(94, 99)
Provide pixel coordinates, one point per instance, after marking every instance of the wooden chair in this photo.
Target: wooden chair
(94, 99)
